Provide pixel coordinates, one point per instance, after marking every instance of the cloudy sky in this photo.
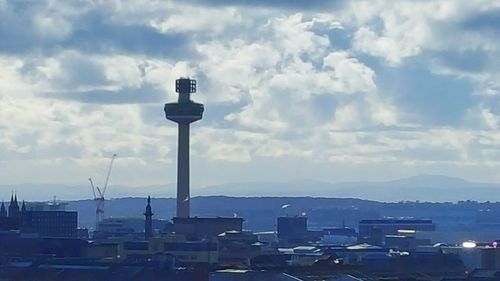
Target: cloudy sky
(325, 90)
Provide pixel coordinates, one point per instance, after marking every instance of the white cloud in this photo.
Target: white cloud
(275, 87)
(52, 28)
(181, 19)
(403, 29)
(353, 75)
(12, 83)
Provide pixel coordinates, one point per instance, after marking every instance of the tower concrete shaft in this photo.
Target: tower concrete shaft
(183, 192)
(184, 112)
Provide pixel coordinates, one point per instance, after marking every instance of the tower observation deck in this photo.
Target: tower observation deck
(183, 112)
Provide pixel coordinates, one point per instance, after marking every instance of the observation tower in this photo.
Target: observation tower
(183, 112)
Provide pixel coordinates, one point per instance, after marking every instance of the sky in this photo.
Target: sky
(326, 90)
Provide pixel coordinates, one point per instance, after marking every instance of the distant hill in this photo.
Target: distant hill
(423, 187)
(258, 212)
(259, 203)
(455, 221)
(46, 191)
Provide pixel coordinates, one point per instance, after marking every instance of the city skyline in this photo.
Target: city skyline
(335, 91)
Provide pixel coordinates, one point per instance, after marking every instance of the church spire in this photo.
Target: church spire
(13, 206)
(23, 208)
(3, 211)
(148, 224)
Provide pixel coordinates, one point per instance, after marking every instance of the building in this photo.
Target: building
(490, 258)
(355, 254)
(205, 228)
(7, 223)
(404, 243)
(42, 219)
(16, 244)
(82, 233)
(102, 250)
(128, 226)
(84, 270)
(374, 231)
(14, 211)
(292, 229)
(237, 248)
(339, 236)
(251, 275)
(184, 252)
(3, 211)
(304, 255)
(51, 223)
(193, 252)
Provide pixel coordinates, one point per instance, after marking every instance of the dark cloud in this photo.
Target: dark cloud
(323, 107)
(95, 34)
(82, 72)
(340, 38)
(487, 21)
(470, 60)
(282, 4)
(431, 99)
(145, 94)
(17, 28)
(91, 32)
(76, 70)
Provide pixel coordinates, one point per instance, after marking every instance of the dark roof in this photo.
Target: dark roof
(395, 221)
(136, 245)
(196, 219)
(84, 271)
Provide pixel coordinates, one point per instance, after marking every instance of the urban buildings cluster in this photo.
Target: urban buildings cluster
(42, 241)
(51, 220)
(220, 248)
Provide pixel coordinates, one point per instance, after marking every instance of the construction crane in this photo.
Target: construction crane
(99, 194)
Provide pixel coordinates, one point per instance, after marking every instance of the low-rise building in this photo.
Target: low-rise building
(237, 248)
(184, 252)
(51, 223)
(127, 226)
(195, 228)
(374, 231)
(292, 229)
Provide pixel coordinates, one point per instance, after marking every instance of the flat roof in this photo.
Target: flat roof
(194, 219)
(394, 221)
